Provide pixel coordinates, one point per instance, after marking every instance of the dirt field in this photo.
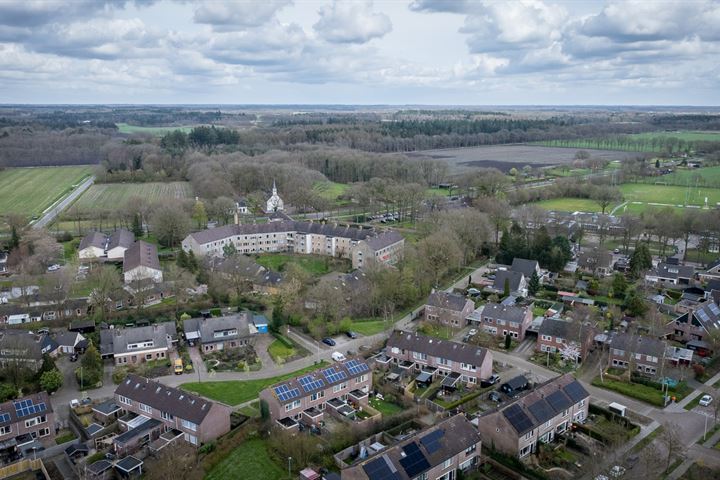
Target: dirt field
(505, 157)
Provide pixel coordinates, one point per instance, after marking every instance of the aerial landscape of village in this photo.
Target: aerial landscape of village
(309, 240)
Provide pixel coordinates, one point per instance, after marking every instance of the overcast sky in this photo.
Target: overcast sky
(470, 52)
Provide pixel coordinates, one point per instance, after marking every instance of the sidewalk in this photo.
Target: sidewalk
(696, 393)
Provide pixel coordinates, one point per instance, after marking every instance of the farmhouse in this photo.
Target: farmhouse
(672, 274)
(518, 427)
(219, 333)
(138, 344)
(556, 335)
(448, 309)
(119, 241)
(436, 452)
(24, 420)
(92, 246)
(141, 263)
(500, 320)
(696, 324)
(458, 361)
(166, 410)
(307, 397)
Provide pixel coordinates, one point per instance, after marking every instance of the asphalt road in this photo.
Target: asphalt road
(50, 215)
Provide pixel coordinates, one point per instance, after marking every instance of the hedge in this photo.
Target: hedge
(216, 312)
(284, 340)
(635, 390)
(516, 464)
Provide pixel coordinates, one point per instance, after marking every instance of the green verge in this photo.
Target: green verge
(250, 459)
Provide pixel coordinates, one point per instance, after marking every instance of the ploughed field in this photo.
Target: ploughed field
(505, 157)
(114, 196)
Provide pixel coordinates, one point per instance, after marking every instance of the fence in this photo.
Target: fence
(27, 465)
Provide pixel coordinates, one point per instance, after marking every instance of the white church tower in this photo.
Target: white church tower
(274, 203)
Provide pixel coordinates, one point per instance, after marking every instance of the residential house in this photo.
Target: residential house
(26, 420)
(596, 261)
(501, 320)
(538, 416)
(643, 354)
(92, 246)
(448, 309)
(68, 341)
(666, 273)
(219, 333)
(118, 243)
(556, 335)
(462, 362)
(307, 397)
(197, 419)
(18, 347)
(141, 263)
(712, 272)
(696, 324)
(526, 267)
(138, 344)
(516, 282)
(436, 453)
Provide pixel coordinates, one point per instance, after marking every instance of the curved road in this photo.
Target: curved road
(55, 210)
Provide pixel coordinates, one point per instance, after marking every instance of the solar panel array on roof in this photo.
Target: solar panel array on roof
(380, 469)
(703, 316)
(518, 419)
(575, 391)
(333, 375)
(356, 367)
(431, 441)
(284, 392)
(714, 308)
(558, 401)
(309, 383)
(23, 408)
(4, 417)
(541, 411)
(414, 461)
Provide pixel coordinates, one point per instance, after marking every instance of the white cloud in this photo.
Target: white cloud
(238, 14)
(351, 22)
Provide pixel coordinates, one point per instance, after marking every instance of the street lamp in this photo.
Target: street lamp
(289, 461)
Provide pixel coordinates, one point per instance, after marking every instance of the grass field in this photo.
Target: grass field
(675, 195)
(113, 196)
(314, 265)
(330, 191)
(370, 327)
(251, 459)
(708, 177)
(686, 135)
(570, 205)
(235, 392)
(385, 407)
(157, 131)
(29, 191)
(279, 352)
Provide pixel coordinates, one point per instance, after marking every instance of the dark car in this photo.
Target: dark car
(351, 334)
(495, 396)
(328, 341)
(490, 381)
(74, 357)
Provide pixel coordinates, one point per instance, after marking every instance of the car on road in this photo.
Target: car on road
(338, 357)
(705, 401)
(53, 268)
(351, 334)
(329, 341)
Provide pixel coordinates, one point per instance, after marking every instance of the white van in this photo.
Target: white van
(338, 357)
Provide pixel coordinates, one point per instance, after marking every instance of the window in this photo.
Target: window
(148, 356)
(501, 322)
(419, 356)
(581, 404)
(466, 464)
(471, 449)
(6, 429)
(191, 438)
(361, 379)
(447, 463)
(547, 338)
(145, 408)
(525, 450)
(316, 395)
(467, 366)
(166, 416)
(559, 340)
(292, 406)
(125, 400)
(339, 387)
(444, 361)
(190, 425)
(35, 421)
(528, 435)
(565, 412)
(44, 432)
(638, 356)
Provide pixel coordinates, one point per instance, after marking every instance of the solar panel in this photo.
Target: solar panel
(379, 469)
(356, 367)
(714, 308)
(309, 383)
(333, 375)
(431, 441)
(575, 391)
(518, 419)
(414, 461)
(541, 411)
(558, 401)
(4, 417)
(703, 316)
(23, 408)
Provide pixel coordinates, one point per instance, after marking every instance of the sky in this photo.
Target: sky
(433, 52)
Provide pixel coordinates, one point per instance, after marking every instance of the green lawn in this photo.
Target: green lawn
(313, 264)
(639, 391)
(571, 205)
(251, 459)
(708, 176)
(331, 190)
(437, 331)
(234, 392)
(279, 352)
(385, 407)
(639, 142)
(369, 327)
(157, 131)
(686, 135)
(674, 195)
(29, 191)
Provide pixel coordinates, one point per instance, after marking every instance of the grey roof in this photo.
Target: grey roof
(13, 415)
(48, 344)
(449, 301)
(133, 433)
(19, 344)
(664, 270)
(714, 265)
(524, 266)
(637, 344)
(93, 239)
(515, 279)
(208, 326)
(121, 238)
(128, 464)
(384, 239)
(179, 403)
(99, 467)
(509, 313)
(115, 341)
(560, 328)
(706, 316)
(65, 338)
(418, 453)
(141, 254)
(107, 407)
(454, 351)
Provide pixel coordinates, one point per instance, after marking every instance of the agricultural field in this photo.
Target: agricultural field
(506, 157)
(156, 131)
(639, 142)
(29, 191)
(113, 196)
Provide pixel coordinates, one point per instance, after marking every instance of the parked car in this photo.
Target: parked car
(74, 357)
(178, 368)
(473, 292)
(74, 403)
(338, 357)
(617, 250)
(54, 267)
(472, 332)
(351, 334)
(495, 396)
(494, 378)
(617, 471)
(44, 330)
(705, 400)
(328, 341)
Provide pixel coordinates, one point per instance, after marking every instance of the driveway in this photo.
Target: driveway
(198, 363)
(261, 348)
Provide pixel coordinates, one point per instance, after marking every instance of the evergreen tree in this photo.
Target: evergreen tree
(14, 238)
(182, 259)
(641, 259)
(635, 304)
(534, 284)
(192, 263)
(619, 285)
(506, 287)
(508, 341)
(137, 227)
(229, 250)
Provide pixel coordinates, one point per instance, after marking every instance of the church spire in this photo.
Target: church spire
(274, 190)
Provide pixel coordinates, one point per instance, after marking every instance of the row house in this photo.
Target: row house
(666, 273)
(643, 354)
(501, 320)
(538, 416)
(219, 333)
(138, 344)
(16, 314)
(445, 308)
(555, 335)
(305, 398)
(156, 412)
(25, 421)
(461, 362)
(436, 453)
(697, 324)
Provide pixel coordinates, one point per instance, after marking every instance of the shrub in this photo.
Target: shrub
(216, 312)
(699, 370)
